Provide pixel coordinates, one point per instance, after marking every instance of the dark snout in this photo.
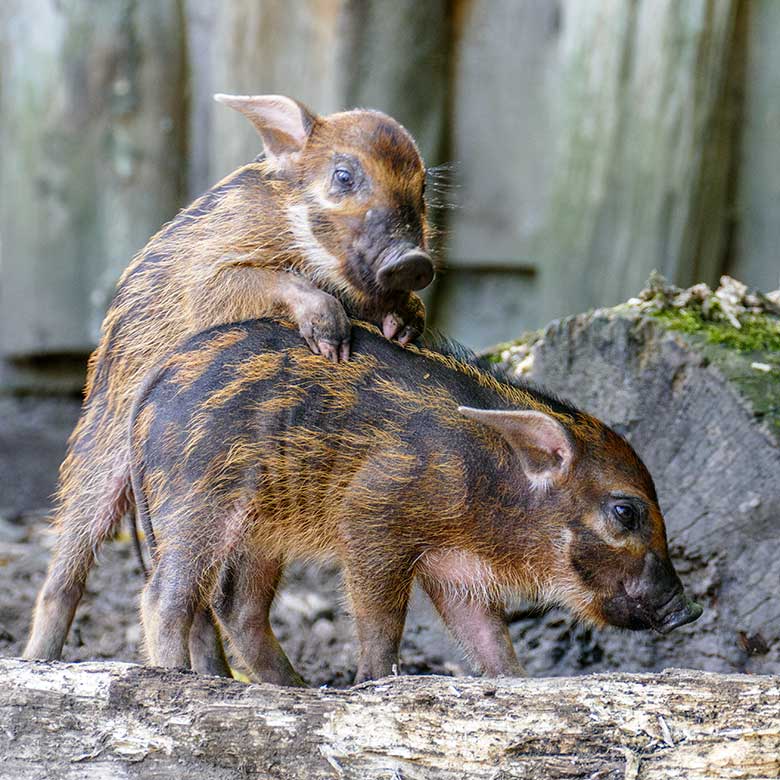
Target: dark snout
(654, 600)
(681, 612)
(412, 270)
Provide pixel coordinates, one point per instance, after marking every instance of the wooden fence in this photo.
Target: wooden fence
(592, 140)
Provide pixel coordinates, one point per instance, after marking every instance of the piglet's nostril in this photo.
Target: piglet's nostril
(413, 270)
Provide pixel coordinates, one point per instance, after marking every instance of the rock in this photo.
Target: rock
(307, 605)
(324, 631)
(11, 532)
(700, 401)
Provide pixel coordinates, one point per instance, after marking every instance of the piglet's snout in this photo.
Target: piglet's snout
(681, 612)
(658, 593)
(412, 270)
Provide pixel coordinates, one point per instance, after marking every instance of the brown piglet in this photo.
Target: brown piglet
(248, 452)
(329, 222)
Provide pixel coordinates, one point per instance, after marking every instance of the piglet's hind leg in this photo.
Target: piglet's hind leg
(379, 601)
(168, 606)
(207, 653)
(242, 600)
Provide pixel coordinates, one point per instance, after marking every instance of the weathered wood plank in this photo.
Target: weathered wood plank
(634, 190)
(756, 259)
(119, 720)
(256, 48)
(396, 57)
(593, 141)
(644, 149)
(91, 117)
(330, 54)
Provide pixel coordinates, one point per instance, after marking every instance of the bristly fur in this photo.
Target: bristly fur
(436, 341)
(257, 450)
(440, 186)
(230, 256)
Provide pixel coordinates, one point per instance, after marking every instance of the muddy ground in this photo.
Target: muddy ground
(309, 615)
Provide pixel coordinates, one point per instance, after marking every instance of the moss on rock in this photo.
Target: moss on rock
(734, 329)
(758, 332)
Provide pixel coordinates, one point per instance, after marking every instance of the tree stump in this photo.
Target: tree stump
(699, 399)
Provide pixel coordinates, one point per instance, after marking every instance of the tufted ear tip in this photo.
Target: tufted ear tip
(284, 124)
(540, 441)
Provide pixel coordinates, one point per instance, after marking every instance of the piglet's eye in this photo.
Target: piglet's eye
(343, 178)
(627, 515)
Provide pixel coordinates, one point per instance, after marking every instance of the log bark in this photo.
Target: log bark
(112, 720)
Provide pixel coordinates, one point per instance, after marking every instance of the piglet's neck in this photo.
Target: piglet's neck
(459, 569)
(242, 218)
(513, 526)
(495, 464)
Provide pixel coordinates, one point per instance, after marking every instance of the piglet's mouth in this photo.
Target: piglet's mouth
(636, 615)
(675, 612)
(679, 616)
(409, 270)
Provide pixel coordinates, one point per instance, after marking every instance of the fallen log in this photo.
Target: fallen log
(116, 720)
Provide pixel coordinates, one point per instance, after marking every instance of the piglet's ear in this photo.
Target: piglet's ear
(284, 124)
(540, 442)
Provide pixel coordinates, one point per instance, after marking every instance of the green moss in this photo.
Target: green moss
(748, 357)
(759, 333)
(738, 354)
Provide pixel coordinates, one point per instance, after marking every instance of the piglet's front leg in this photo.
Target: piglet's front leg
(240, 291)
(401, 318)
(322, 322)
(479, 627)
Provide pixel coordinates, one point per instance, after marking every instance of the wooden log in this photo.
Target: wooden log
(112, 720)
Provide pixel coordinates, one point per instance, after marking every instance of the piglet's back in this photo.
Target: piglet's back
(245, 412)
(259, 373)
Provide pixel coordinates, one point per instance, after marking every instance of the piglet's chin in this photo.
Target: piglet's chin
(623, 612)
